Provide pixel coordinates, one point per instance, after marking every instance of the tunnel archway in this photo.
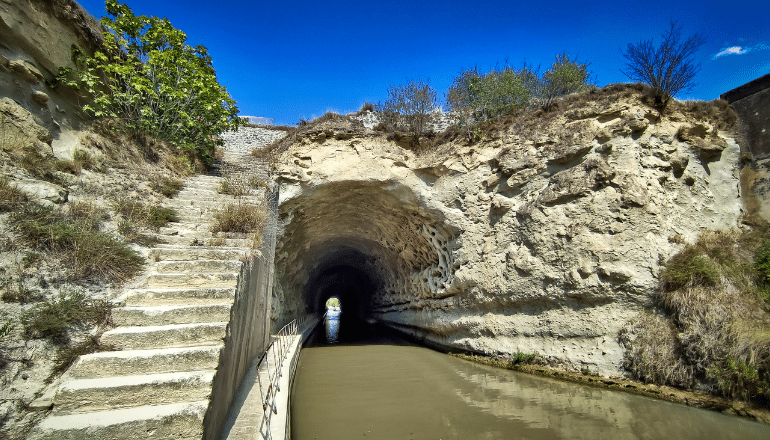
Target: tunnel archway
(374, 245)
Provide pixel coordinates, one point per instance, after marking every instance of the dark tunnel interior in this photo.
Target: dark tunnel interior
(347, 274)
(352, 286)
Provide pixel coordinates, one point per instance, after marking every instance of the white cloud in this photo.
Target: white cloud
(735, 50)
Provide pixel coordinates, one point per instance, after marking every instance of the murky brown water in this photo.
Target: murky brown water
(381, 387)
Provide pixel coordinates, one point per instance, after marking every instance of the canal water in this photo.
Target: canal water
(356, 381)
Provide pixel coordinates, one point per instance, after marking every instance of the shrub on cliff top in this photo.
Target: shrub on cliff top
(669, 68)
(409, 106)
(148, 77)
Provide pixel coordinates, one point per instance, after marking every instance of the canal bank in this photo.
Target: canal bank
(665, 393)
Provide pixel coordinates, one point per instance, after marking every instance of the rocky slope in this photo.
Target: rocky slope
(545, 236)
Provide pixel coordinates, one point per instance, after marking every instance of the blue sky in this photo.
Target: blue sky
(292, 59)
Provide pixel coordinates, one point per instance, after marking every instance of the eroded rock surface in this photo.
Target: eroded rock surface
(547, 236)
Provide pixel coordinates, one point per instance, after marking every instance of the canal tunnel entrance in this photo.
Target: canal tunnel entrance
(374, 245)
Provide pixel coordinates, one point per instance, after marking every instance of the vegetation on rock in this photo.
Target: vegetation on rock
(53, 318)
(669, 68)
(409, 106)
(81, 246)
(711, 328)
(147, 77)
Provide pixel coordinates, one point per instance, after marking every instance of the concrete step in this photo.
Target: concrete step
(196, 211)
(82, 395)
(194, 241)
(211, 203)
(176, 421)
(180, 281)
(170, 297)
(188, 253)
(197, 266)
(203, 186)
(165, 336)
(180, 230)
(166, 315)
(153, 361)
(186, 224)
(212, 196)
(187, 229)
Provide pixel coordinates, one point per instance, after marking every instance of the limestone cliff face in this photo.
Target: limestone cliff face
(546, 236)
(36, 40)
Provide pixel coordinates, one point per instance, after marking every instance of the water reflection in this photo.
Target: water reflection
(397, 391)
(332, 324)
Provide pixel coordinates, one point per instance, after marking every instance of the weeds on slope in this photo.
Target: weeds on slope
(82, 247)
(245, 218)
(712, 326)
(152, 216)
(10, 197)
(51, 319)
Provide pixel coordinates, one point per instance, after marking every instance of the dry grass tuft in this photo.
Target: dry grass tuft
(11, 198)
(367, 107)
(714, 334)
(239, 186)
(242, 217)
(654, 354)
(82, 248)
(168, 186)
(151, 216)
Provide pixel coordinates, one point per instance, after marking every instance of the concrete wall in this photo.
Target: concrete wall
(751, 102)
(248, 332)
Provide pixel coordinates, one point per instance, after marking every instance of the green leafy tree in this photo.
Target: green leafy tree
(148, 77)
(477, 97)
(669, 68)
(565, 76)
(486, 96)
(499, 92)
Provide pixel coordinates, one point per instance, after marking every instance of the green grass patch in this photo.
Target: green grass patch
(762, 263)
(690, 267)
(6, 329)
(523, 358)
(52, 319)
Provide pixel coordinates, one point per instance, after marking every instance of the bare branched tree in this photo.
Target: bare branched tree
(669, 68)
(409, 106)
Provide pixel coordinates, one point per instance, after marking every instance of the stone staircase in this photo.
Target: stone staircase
(168, 336)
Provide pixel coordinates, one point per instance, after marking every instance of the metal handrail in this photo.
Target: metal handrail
(277, 350)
